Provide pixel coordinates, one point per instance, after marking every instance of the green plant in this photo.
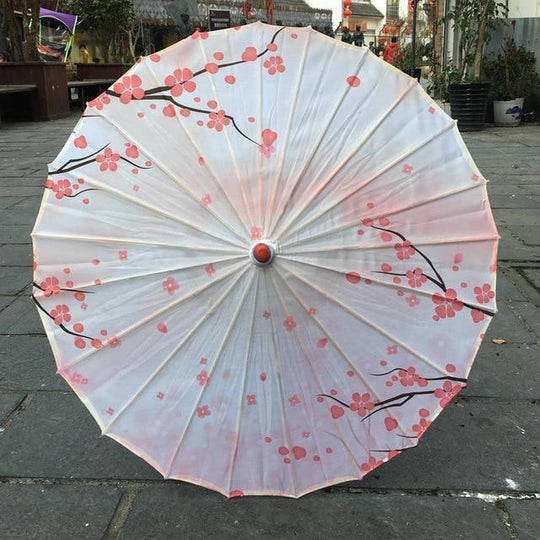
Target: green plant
(473, 20)
(404, 57)
(441, 77)
(102, 18)
(512, 73)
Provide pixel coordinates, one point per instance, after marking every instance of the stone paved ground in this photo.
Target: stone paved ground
(474, 475)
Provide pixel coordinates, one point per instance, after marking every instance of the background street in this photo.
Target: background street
(475, 474)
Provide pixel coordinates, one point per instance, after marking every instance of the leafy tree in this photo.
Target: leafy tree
(102, 18)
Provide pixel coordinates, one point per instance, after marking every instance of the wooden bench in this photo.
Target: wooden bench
(19, 89)
(96, 87)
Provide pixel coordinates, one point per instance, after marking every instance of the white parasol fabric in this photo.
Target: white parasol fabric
(265, 261)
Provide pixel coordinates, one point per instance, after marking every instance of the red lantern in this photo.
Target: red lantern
(347, 3)
(347, 13)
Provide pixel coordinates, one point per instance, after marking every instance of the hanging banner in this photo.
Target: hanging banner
(219, 19)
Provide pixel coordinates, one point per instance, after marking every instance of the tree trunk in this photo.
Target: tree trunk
(13, 38)
(32, 43)
(479, 53)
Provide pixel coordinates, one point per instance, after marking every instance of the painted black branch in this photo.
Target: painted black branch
(79, 192)
(389, 406)
(433, 280)
(478, 308)
(394, 449)
(63, 168)
(68, 290)
(132, 163)
(448, 377)
(441, 283)
(335, 399)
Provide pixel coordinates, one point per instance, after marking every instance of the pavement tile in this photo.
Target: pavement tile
(473, 445)
(55, 436)
(505, 372)
(5, 301)
(27, 363)
(177, 511)
(506, 325)
(15, 234)
(8, 402)
(533, 276)
(507, 288)
(512, 248)
(16, 255)
(56, 512)
(525, 517)
(528, 233)
(9, 202)
(530, 313)
(21, 317)
(13, 280)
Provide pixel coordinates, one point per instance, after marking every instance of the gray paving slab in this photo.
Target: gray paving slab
(530, 313)
(8, 202)
(55, 436)
(515, 201)
(53, 512)
(8, 402)
(20, 317)
(27, 363)
(533, 276)
(474, 445)
(525, 518)
(13, 280)
(513, 248)
(15, 234)
(5, 301)
(16, 255)
(14, 190)
(507, 287)
(505, 371)
(189, 512)
(506, 325)
(513, 216)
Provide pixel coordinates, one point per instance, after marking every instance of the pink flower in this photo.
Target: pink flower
(294, 400)
(484, 294)
(268, 138)
(210, 270)
(256, 233)
(179, 81)
(289, 323)
(218, 120)
(447, 392)
(206, 200)
(448, 304)
(170, 285)
(404, 251)
(274, 65)
(160, 395)
(197, 34)
(423, 424)
(123, 255)
(129, 88)
(114, 341)
(203, 411)
(102, 99)
(416, 277)
(50, 286)
(108, 160)
(361, 404)
(203, 377)
(371, 464)
(251, 399)
(407, 169)
(62, 188)
(409, 377)
(412, 300)
(391, 349)
(61, 314)
(266, 314)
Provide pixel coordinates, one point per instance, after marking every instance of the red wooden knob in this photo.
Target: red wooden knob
(262, 253)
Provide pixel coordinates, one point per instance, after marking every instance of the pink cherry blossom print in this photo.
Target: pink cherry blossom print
(110, 411)
(274, 65)
(289, 323)
(353, 277)
(409, 377)
(361, 403)
(199, 35)
(210, 270)
(169, 111)
(251, 399)
(404, 250)
(179, 81)
(80, 142)
(50, 286)
(236, 493)
(268, 137)
(407, 169)
(431, 110)
(218, 120)
(391, 349)
(203, 361)
(170, 285)
(294, 400)
(206, 200)
(353, 81)
(107, 160)
(203, 412)
(61, 314)
(447, 392)
(218, 55)
(477, 315)
(162, 327)
(299, 452)
(256, 233)
(416, 277)
(123, 255)
(230, 79)
(263, 376)
(155, 57)
(412, 300)
(484, 294)
(272, 47)
(61, 188)
(322, 343)
(100, 102)
(203, 378)
(132, 151)
(114, 341)
(447, 305)
(390, 423)
(129, 88)
(336, 411)
(249, 54)
(160, 395)
(371, 464)
(212, 68)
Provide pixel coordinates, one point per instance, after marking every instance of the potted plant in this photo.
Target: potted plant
(438, 84)
(403, 61)
(472, 21)
(513, 77)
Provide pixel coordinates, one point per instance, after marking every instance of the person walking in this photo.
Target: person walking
(347, 36)
(358, 37)
(391, 51)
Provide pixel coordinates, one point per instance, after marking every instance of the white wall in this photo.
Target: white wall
(335, 5)
(523, 8)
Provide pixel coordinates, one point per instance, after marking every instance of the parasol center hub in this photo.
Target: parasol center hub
(262, 253)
